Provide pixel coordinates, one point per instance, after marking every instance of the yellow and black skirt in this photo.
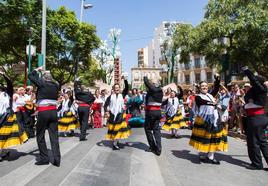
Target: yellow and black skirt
(175, 122)
(12, 133)
(204, 141)
(68, 122)
(118, 129)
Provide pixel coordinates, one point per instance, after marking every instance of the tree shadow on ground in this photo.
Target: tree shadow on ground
(185, 154)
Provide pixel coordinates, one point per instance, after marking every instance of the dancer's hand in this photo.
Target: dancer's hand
(217, 77)
(244, 68)
(39, 69)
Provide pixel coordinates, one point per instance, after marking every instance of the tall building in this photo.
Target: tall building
(143, 57)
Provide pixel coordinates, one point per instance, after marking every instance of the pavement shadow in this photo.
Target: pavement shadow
(15, 154)
(168, 136)
(138, 145)
(105, 143)
(230, 159)
(185, 154)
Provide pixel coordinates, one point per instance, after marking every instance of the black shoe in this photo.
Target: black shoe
(71, 133)
(157, 152)
(266, 169)
(214, 161)
(149, 150)
(202, 158)
(252, 167)
(115, 147)
(83, 139)
(56, 163)
(42, 163)
(6, 155)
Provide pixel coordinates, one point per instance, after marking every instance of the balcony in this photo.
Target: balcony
(163, 74)
(163, 61)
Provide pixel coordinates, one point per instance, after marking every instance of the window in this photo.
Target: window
(187, 79)
(187, 66)
(209, 77)
(197, 63)
(197, 77)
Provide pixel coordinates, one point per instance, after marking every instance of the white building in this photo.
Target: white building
(185, 74)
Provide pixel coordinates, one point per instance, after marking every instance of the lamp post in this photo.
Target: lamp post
(43, 41)
(30, 31)
(84, 6)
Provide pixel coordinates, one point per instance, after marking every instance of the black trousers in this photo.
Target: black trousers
(152, 129)
(29, 123)
(83, 114)
(48, 120)
(20, 118)
(256, 140)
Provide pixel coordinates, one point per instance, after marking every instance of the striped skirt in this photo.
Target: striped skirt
(118, 130)
(68, 122)
(175, 122)
(204, 141)
(11, 133)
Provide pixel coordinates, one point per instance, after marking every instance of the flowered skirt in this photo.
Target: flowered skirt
(68, 122)
(174, 122)
(118, 128)
(12, 133)
(204, 141)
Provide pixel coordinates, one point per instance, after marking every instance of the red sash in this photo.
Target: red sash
(83, 105)
(151, 107)
(255, 111)
(46, 108)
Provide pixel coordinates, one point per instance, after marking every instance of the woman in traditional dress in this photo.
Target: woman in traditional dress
(96, 107)
(117, 126)
(68, 122)
(11, 132)
(134, 105)
(208, 134)
(174, 116)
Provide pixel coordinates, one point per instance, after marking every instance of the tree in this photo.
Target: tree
(238, 29)
(17, 16)
(69, 43)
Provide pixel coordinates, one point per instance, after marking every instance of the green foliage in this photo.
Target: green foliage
(238, 28)
(92, 73)
(17, 16)
(68, 41)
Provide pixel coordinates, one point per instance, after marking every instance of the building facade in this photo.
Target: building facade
(150, 62)
(138, 73)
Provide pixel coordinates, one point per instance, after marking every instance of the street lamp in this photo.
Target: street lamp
(84, 6)
(28, 49)
(43, 41)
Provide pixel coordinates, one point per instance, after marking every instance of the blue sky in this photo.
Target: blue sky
(136, 18)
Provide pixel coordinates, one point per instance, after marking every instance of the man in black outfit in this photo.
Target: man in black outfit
(84, 99)
(153, 102)
(256, 120)
(46, 96)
